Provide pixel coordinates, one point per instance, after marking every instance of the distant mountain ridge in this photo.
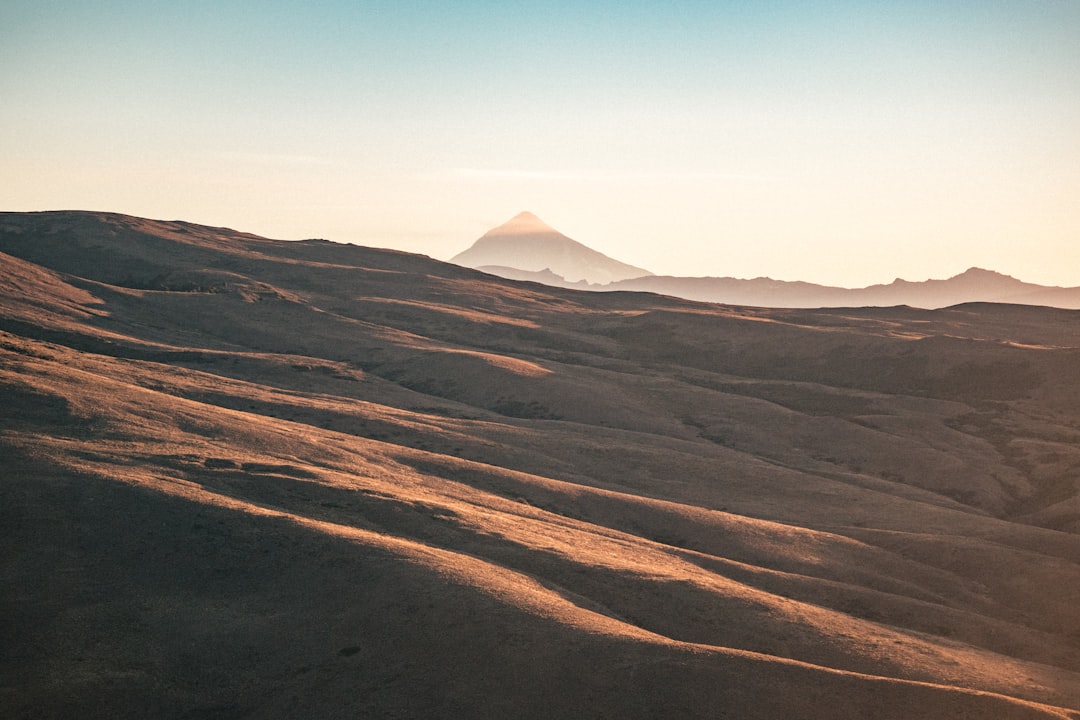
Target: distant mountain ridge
(972, 285)
(527, 243)
(525, 249)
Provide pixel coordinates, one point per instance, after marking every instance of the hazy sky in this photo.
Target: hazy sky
(837, 142)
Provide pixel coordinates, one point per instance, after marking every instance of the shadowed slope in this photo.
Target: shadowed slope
(300, 478)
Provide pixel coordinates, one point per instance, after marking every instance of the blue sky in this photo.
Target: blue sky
(838, 142)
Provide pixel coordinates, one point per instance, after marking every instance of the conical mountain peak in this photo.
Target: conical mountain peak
(526, 217)
(527, 243)
(524, 223)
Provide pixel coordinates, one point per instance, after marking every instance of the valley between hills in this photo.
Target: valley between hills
(245, 477)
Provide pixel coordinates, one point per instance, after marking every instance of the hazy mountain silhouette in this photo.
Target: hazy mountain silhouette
(525, 242)
(243, 477)
(973, 285)
(514, 252)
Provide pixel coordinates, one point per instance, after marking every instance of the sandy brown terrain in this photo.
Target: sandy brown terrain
(244, 478)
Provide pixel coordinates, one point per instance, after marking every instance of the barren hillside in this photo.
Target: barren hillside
(253, 478)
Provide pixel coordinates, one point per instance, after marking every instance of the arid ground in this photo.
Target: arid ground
(248, 478)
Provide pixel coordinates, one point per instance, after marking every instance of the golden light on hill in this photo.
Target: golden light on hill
(247, 477)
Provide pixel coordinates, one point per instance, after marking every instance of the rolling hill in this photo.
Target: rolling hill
(254, 478)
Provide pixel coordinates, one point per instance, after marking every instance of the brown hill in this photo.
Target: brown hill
(253, 478)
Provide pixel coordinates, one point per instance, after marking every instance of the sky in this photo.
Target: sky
(838, 142)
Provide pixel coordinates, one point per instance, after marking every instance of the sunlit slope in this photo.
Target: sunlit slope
(326, 479)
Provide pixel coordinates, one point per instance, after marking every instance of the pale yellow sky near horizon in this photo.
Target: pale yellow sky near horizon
(830, 142)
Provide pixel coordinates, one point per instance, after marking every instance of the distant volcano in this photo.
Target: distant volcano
(526, 242)
(527, 249)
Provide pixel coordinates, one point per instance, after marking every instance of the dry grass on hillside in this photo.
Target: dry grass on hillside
(248, 478)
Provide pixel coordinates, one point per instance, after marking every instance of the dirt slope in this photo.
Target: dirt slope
(252, 478)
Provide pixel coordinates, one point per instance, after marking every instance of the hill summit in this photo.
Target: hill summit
(525, 242)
